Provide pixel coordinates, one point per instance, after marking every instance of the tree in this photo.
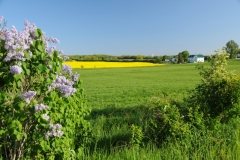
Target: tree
(164, 57)
(139, 57)
(231, 48)
(185, 55)
(180, 58)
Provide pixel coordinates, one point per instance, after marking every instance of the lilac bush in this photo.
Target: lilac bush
(41, 100)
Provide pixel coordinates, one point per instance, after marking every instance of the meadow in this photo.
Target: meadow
(119, 98)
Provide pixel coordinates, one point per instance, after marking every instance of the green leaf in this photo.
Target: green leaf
(44, 146)
(17, 76)
(28, 72)
(21, 105)
(19, 136)
(24, 65)
(55, 54)
(39, 33)
(19, 84)
(4, 69)
(27, 55)
(2, 132)
(40, 67)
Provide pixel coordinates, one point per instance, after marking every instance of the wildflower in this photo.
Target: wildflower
(15, 69)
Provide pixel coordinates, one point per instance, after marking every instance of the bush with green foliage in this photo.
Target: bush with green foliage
(214, 101)
(42, 105)
(218, 93)
(165, 121)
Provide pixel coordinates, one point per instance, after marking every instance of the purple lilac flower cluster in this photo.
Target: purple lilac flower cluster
(75, 77)
(47, 40)
(40, 107)
(46, 117)
(1, 18)
(17, 42)
(51, 50)
(28, 96)
(65, 58)
(63, 85)
(66, 68)
(54, 131)
(15, 69)
(15, 55)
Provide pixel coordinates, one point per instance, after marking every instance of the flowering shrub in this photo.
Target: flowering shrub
(42, 106)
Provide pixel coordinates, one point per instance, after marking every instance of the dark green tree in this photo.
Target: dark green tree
(185, 55)
(180, 57)
(164, 57)
(231, 48)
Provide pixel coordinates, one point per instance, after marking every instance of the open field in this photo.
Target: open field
(129, 87)
(118, 97)
(96, 64)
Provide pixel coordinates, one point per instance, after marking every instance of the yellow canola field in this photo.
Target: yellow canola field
(76, 64)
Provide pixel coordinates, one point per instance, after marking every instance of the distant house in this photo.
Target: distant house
(171, 59)
(195, 58)
(167, 59)
(238, 56)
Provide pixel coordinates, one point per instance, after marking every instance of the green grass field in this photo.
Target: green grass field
(117, 97)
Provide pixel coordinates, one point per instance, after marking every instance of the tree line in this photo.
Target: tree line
(232, 48)
(124, 58)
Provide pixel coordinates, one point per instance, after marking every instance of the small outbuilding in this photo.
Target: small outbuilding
(196, 58)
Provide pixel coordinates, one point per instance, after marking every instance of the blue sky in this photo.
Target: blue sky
(130, 27)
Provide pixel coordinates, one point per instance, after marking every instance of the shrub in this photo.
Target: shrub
(42, 105)
(165, 121)
(218, 93)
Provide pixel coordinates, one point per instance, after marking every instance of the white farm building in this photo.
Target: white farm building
(195, 58)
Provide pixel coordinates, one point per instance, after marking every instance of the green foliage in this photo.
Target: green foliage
(218, 93)
(180, 58)
(166, 122)
(231, 47)
(22, 129)
(136, 136)
(183, 56)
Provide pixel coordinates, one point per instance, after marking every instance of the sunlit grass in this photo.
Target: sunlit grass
(76, 64)
(120, 97)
